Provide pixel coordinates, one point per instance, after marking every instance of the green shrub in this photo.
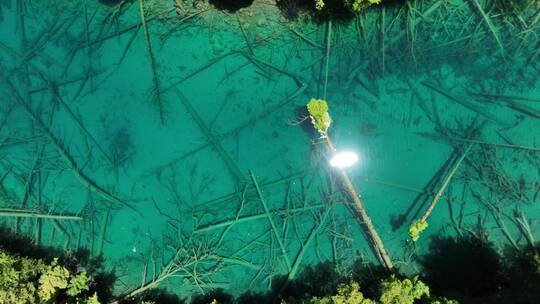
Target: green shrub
(346, 294)
(78, 284)
(18, 279)
(27, 281)
(395, 291)
(53, 279)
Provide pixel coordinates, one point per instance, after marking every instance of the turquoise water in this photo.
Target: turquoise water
(155, 144)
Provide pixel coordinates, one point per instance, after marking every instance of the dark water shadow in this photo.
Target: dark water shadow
(231, 5)
(471, 270)
(334, 10)
(467, 266)
(113, 2)
(315, 280)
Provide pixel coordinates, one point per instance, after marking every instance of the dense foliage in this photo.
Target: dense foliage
(392, 290)
(26, 280)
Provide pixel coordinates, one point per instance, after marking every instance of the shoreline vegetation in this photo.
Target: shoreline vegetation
(456, 270)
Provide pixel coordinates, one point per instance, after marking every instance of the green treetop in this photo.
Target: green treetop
(28, 281)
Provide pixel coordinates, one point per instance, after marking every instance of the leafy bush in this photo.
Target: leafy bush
(395, 291)
(53, 278)
(18, 277)
(25, 280)
(78, 284)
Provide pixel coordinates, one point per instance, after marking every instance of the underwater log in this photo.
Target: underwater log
(36, 214)
(382, 254)
(318, 112)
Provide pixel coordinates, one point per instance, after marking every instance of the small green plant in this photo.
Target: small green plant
(416, 228)
(318, 111)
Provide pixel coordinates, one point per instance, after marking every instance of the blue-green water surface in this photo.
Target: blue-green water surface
(155, 133)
